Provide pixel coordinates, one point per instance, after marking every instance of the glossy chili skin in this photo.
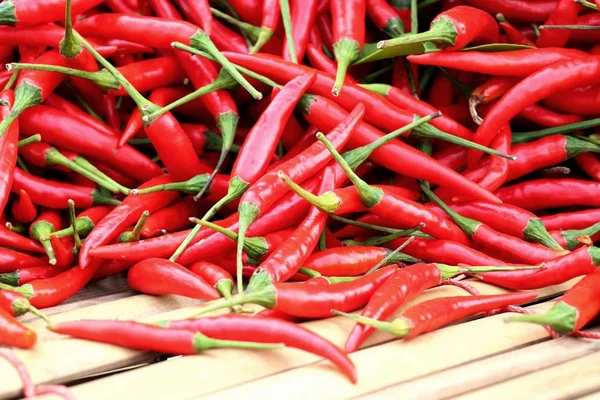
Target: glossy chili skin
(408, 102)
(403, 286)
(53, 194)
(202, 72)
(269, 188)
(324, 114)
(25, 13)
(546, 117)
(13, 333)
(201, 12)
(11, 260)
(378, 112)
(160, 277)
(591, 19)
(132, 335)
(541, 193)
(303, 17)
(214, 275)
(433, 314)
(9, 149)
(472, 26)
(490, 90)
(59, 103)
(248, 10)
(41, 35)
(172, 218)
(581, 261)
(515, 36)
(505, 218)
(43, 81)
(320, 61)
(532, 89)
(583, 300)
(571, 220)
(287, 259)
(135, 28)
(346, 261)
(12, 239)
(150, 74)
(256, 153)
(60, 129)
(317, 301)
(580, 101)
(517, 10)
(267, 330)
(565, 13)
(125, 215)
(519, 63)
(163, 246)
(26, 275)
(445, 251)
(385, 17)
(23, 210)
(499, 167)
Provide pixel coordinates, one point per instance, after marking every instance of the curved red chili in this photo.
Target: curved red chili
(12, 260)
(159, 277)
(26, 275)
(454, 29)
(571, 219)
(12, 239)
(303, 18)
(215, 276)
(558, 270)
(23, 210)
(271, 14)
(8, 147)
(14, 333)
(578, 306)
(565, 13)
(518, 10)
(25, 13)
(267, 330)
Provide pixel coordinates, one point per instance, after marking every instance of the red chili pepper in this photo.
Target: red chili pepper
(581, 261)
(26, 275)
(201, 12)
(59, 103)
(541, 193)
(348, 18)
(532, 89)
(565, 13)
(159, 277)
(349, 261)
(586, 36)
(312, 301)
(520, 63)
(575, 238)
(16, 304)
(269, 22)
(571, 220)
(12, 239)
(63, 251)
(579, 101)
(444, 251)
(403, 286)
(12, 260)
(267, 330)
(578, 306)
(518, 10)
(248, 10)
(33, 87)
(433, 314)
(123, 216)
(513, 35)
(254, 157)
(215, 276)
(509, 247)
(42, 227)
(385, 17)
(494, 88)
(511, 220)
(14, 333)
(24, 13)
(545, 117)
(171, 218)
(499, 167)
(269, 188)
(23, 210)
(320, 61)
(60, 129)
(287, 259)
(53, 194)
(140, 336)
(8, 147)
(165, 9)
(408, 102)
(303, 18)
(453, 29)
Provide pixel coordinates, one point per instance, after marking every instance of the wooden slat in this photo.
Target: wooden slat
(215, 369)
(592, 396)
(564, 381)
(58, 359)
(488, 371)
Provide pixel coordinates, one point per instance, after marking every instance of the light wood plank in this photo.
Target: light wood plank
(488, 371)
(592, 396)
(215, 371)
(567, 380)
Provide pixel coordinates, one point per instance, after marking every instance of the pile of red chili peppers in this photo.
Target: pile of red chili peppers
(314, 157)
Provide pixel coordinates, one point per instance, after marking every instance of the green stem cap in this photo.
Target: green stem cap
(399, 327)
(561, 318)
